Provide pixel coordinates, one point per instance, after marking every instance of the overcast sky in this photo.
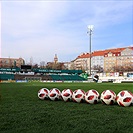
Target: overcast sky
(40, 29)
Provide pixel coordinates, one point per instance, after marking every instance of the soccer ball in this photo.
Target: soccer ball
(43, 93)
(78, 96)
(67, 95)
(54, 94)
(124, 98)
(92, 96)
(108, 97)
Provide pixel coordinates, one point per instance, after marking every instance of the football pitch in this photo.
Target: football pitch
(21, 111)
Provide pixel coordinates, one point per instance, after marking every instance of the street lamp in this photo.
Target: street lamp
(90, 29)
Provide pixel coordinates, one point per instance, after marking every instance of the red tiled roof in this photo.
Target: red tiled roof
(114, 50)
(84, 55)
(98, 53)
(103, 52)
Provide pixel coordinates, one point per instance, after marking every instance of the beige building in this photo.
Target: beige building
(11, 62)
(111, 60)
(118, 59)
(82, 62)
(127, 57)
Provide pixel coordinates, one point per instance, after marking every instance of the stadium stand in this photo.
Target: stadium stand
(5, 76)
(32, 77)
(67, 78)
(40, 74)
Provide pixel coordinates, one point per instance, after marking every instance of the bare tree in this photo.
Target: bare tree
(98, 68)
(35, 66)
(122, 68)
(42, 64)
(56, 66)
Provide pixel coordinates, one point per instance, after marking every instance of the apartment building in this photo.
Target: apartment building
(82, 62)
(110, 59)
(11, 62)
(97, 58)
(118, 59)
(127, 57)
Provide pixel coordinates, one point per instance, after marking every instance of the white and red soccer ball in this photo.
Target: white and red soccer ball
(78, 95)
(108, 97)
(43, 93)
(124, 98)
(66, 95)
(92, 97)
(54, 94)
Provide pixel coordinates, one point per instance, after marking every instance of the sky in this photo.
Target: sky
(40, 29)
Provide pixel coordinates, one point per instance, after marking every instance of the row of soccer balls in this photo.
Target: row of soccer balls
(123, 98)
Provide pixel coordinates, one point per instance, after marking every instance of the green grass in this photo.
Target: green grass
(22, 112)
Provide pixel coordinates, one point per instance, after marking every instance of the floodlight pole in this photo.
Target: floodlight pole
(90, 28)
